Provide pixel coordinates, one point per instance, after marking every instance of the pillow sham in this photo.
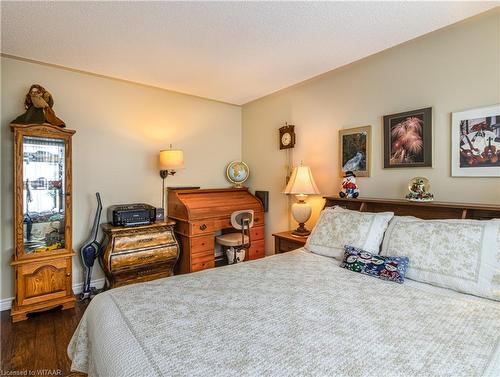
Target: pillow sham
(463, 255)
(337, 227)
(386, 268)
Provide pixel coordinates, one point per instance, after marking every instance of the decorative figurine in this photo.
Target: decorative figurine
(419, 190)
(38, 105)
(349, 186)
(89, 252)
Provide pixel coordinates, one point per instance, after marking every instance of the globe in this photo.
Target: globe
(237, 172)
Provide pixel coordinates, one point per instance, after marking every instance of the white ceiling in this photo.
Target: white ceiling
(229, 51)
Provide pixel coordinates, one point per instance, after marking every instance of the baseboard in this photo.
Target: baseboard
(6, 303)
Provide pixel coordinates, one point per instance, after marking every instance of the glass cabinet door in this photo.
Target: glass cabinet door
(43, 194)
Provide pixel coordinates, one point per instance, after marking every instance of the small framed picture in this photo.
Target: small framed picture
(408, 139)
(475, 142)
(355, 150)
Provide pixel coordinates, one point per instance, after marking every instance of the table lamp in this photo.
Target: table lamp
(171, 160)
(301, 184)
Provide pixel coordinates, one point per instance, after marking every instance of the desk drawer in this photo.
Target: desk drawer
(257, 233)
(143, 240)
(202, 265)
(223, 223)
(201, 258)
(257, 250)
(258, 219)
(200, 245)
(201, 227)
(135, 258)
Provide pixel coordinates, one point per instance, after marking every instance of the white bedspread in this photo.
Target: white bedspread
(294, 314)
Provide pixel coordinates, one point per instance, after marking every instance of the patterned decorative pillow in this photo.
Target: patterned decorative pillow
(463, 255)
(386, 268)
(337, 227)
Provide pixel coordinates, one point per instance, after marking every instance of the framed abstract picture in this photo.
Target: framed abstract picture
(475, 142)
(408, 139)
(355, 150)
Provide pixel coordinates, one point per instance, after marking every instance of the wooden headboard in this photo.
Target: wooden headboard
(426, 210)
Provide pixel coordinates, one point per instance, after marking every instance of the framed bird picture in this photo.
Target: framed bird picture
(355, 150)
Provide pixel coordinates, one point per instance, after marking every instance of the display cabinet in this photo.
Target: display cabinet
(42, 219)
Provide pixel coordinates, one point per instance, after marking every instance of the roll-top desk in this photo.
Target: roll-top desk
(201, 213)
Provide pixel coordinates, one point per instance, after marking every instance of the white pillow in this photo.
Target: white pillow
(337, 227)
(463, 255)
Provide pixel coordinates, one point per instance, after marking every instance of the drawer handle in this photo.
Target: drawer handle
(203, 226)
(144, 272)
(68, 274)
(145, 240)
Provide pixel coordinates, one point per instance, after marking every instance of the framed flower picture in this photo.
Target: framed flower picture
(355, 150)
(408, 139)
(475, 142)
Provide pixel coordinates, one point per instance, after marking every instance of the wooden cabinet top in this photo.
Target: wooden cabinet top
(109, 228)
(210, 203)
(288, 235)
(41, 127)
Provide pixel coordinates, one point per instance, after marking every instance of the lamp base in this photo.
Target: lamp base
(301, 212)
(301, 231)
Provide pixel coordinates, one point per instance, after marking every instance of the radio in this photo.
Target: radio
(131, 214)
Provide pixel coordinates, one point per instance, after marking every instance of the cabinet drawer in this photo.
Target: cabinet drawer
(202, 265)
(287, 245)
(200, 245)
(143, 240)
(143, 274)
(201, 227)
(257, 250)
(257, 233)
(133, 258)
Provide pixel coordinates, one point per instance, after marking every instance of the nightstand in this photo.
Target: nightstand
(286, 241)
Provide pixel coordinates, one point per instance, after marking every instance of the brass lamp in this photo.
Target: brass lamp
(301, 184)
(171, 160)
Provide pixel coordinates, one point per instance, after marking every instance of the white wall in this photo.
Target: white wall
(452, 69)
(120, 128)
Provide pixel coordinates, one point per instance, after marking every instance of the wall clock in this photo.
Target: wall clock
(287, 136)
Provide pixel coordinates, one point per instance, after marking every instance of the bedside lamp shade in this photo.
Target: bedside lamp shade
(301, 184)
(171, 159)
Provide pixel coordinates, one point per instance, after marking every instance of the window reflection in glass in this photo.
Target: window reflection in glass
(43, 202)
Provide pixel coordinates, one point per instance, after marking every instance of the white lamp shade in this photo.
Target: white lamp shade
(171, 159)
(301, 182)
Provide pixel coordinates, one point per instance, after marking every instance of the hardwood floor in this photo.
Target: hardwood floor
(39, 344)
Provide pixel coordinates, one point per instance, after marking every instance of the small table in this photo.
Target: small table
(286, 241)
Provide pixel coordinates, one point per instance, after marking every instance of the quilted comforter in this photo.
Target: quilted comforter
(294, 314)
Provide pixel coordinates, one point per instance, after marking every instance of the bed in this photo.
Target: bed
(293, 314)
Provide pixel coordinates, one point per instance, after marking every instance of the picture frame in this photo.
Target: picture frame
(355, 150)
(475, 142)
(408, 139)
